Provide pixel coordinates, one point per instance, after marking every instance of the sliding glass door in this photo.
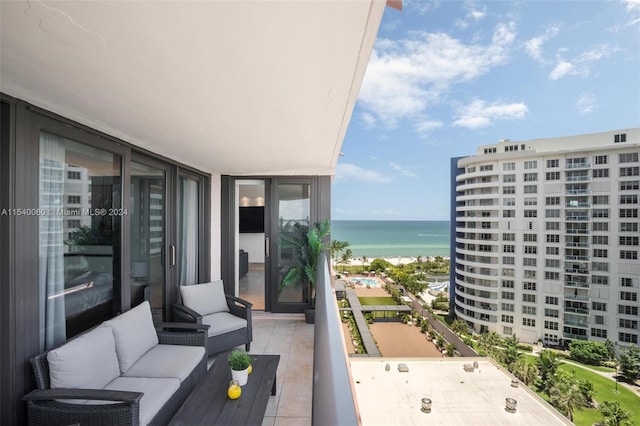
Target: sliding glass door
(147, 242)
(291, 215)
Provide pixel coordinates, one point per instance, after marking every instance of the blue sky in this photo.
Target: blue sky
(447, 76)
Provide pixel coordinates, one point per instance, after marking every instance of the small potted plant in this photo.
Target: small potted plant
(239, 361)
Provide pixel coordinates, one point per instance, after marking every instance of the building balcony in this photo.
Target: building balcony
(574, 336)
(577, 231)
(579, 258)
(576, 284)
(580, 271)
(578, 297)
(583, 165)
(579, 311)
(577, 244)
(586, 178)
(580, 324)
(577, 204)
(577, 218)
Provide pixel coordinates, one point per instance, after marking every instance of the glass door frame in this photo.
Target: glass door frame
(273, 280)
(168, 245)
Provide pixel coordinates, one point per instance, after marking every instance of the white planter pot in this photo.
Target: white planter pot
(240, 376)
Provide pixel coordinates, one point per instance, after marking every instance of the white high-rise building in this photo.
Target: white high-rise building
(547, 236)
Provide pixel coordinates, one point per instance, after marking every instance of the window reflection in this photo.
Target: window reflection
(79, 224)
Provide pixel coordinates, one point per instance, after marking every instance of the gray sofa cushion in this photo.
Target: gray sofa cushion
(134, 334)
(206, 298)
(223, 322)
(87, 362)
(167, 361)
(156, 393)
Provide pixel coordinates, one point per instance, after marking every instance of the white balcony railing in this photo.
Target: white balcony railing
(333, 398)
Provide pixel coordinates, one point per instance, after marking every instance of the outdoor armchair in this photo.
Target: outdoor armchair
(228, 317)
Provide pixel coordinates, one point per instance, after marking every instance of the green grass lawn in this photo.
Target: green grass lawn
(604, 392)
(377, 301)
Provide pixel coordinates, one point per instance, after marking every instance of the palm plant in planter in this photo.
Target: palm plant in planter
(307, 242)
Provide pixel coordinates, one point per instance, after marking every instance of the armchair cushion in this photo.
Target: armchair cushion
(223, 322)
(134, 334)
(206, 298)
(87, 362)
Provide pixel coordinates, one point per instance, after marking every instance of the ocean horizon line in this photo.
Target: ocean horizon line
(394, 238)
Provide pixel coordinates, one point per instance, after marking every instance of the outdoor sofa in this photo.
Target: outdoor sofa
(125, 371)
(228, 317)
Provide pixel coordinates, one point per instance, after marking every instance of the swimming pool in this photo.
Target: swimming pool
(371, 282)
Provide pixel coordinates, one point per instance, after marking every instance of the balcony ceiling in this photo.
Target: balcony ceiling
(232, 87)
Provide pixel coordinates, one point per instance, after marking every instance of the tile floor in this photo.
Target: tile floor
(252, 286)
(291, 337)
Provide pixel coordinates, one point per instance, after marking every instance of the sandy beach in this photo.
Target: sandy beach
(393, 260)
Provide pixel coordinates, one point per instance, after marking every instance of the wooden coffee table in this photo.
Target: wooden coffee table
(208, 404)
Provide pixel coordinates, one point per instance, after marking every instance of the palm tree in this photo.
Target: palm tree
(566, 397)
(335, 247)
(419, 266)
(346, 258)
(459, 326)
(511, 353)
(489, 342)
(613, 414)
(548, 364)
(525, 371)
(364, 263)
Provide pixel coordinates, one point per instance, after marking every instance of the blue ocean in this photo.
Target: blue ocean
(389, 238)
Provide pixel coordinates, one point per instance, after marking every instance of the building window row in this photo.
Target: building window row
(619, 138)
(598, 332)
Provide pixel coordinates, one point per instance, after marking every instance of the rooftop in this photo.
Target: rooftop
(458, 397)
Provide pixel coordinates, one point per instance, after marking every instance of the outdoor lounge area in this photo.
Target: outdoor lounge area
(125, 129)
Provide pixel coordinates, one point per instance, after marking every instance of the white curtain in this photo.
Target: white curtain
(52, 309)
(188, 219)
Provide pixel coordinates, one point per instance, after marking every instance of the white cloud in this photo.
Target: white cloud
(478, 114)
(534, 46)
(349, 171)
(474, 15)
(580, 65)
(633, 7)
(421, 6)
(368, 119)
(403, 170)
(586, 103)
(562, 68)
(405, 77)
(424, 127)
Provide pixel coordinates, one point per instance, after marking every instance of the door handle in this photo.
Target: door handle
(266, 247)
(172, 255)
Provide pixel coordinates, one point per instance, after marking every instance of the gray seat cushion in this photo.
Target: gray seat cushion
(223, 322)
(167, 361)
(156, 393)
